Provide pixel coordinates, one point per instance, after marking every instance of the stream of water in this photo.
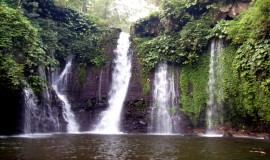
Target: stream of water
(214, 90)
(60, 86)
(110, 119)
(30, 111)
(164, 97)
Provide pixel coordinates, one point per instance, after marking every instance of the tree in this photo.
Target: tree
(17, 45)
(78, 5)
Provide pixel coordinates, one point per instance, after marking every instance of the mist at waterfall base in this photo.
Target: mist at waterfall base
(110, 119)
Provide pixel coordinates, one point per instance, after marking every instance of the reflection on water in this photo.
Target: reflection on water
(134, 147)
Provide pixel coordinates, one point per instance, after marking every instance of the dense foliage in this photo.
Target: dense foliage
(193, 82)
(43, 36)
(177, 36)
(181, 38)
(247, 86)
(252, 33)
(21, 51)
(183, 47)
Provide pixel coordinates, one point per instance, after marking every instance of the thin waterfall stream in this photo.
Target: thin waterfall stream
(214, 89)
(31, 117)
(110, 119)
(60, 86)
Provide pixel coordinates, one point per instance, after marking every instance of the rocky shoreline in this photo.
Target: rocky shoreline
(233, 132)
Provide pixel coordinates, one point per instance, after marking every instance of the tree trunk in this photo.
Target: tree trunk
(18, 3)
(84, 7)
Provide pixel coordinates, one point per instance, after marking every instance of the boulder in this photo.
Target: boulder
(227, 135)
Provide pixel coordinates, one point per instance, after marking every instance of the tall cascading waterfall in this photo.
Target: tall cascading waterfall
(164, 99)
(31, 112)
(59, 84)
(110, 119)
(214, 87)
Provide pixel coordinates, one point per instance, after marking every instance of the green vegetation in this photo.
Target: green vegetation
(180, 35)
(246, 87)
(45, 35)
(182, 48)
(21, 51)
(140, 105)
(193, 82)
(102, 11)
(176, 35)
(251, 32)
(180, 38)
(81, 74)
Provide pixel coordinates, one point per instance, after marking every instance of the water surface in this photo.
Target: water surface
(134, 147)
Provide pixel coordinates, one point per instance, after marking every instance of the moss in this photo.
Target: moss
(89, 103)
(147, 27)
(193, 82)
(173, 109)
(146, 84)
(81, 74)
(245, 101)
(141, 105)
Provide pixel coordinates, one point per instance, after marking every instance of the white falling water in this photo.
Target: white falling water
(110, 119)
(30, 111)
(60, 85)
(173, 98)
(214, 90)
(164, 99)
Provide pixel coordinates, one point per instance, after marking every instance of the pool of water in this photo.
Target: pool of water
(133, 147)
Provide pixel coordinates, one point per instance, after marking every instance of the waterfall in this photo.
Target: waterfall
(39, 117)
(60, 86)
(31, 117)
(48, 117)
(110, 119)
(164, 99)
(214, 89)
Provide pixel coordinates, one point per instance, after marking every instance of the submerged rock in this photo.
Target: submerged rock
(142, 122)
(252, 134)
(227, 135)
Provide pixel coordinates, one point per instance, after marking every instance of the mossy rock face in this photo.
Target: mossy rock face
(149, 27)
(135, 116)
